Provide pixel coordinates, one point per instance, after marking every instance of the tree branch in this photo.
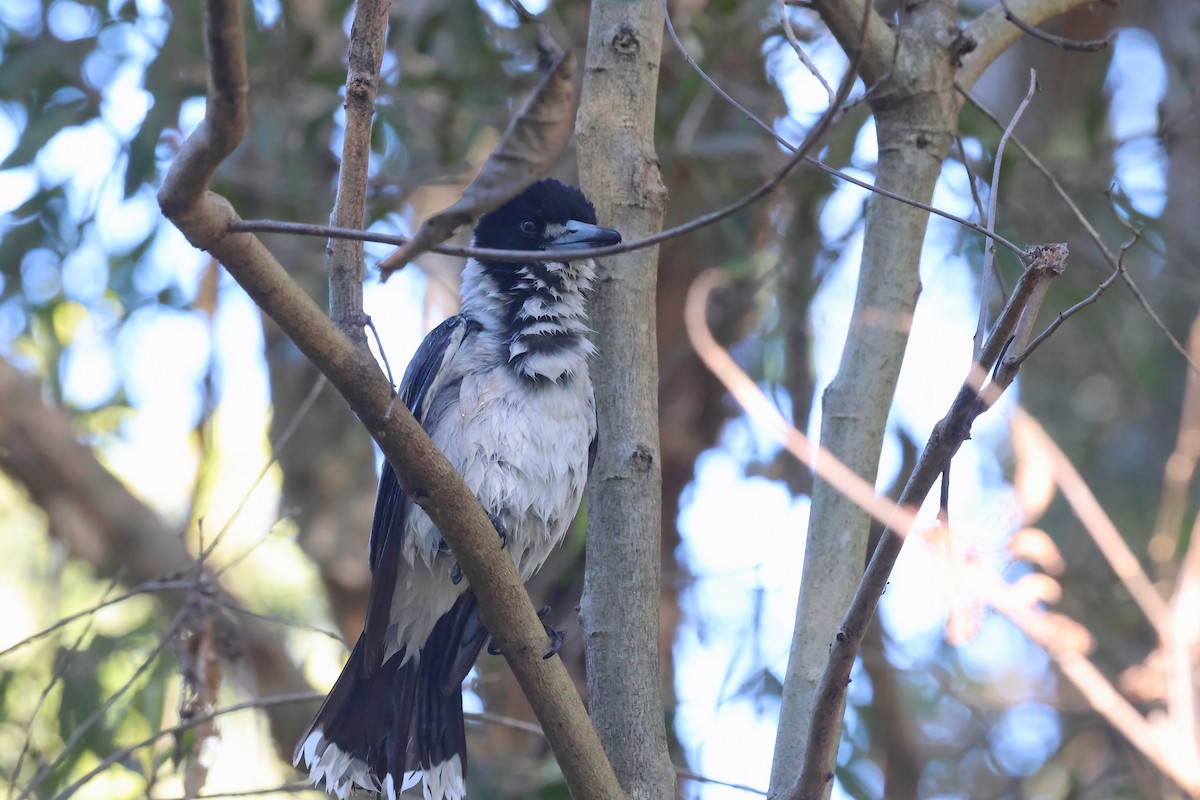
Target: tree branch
(945, 440)
(424, 473)
(875, 51)
(344, 258)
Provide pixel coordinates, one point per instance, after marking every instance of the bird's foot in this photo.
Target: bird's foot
(456, 573)
(500, 529)
(555, 636)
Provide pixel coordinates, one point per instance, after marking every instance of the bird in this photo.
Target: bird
(504, 391)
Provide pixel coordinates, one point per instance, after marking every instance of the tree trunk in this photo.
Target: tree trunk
(619, 610)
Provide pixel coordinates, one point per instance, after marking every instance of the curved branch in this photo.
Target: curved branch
(874, 50)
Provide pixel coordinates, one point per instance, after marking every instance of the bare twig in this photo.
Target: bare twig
(1086, 46)
(989, 252)
(162, 585)
(1090, 299)
(60, 669)
(1093, 234)
(800, 54)
(276, 449)
(202, 719)
(284, 437)
(82, 728)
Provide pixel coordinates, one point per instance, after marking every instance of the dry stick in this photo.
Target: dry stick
(989, 252)
(1086, 46)
(947, 436)
(125, 752)
(1091, 231)
(423, 471)
(800, 54)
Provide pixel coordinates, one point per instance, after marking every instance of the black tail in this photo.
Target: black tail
(377, 726)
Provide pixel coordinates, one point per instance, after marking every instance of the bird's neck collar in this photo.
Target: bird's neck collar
(536, 314)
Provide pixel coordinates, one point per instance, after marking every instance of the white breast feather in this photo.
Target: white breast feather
(523, 452)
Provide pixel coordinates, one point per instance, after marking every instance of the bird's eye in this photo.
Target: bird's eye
(529, 228)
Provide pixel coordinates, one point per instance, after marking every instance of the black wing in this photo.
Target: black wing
(391, 503)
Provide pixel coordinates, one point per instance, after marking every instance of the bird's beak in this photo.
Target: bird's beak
(578, 235)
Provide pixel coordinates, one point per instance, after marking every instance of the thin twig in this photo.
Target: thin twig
(240, 609)
(278, 447)
(387, 366)
(1094, 296)
(536, 730)
(1091, 231)
(1086, 46)
(124, 753)
(160, 585)
(61, 665)
(989, 252)
(800, 54)
(287, 788)
(82, 728)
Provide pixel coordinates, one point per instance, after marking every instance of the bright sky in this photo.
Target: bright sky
(741, 607)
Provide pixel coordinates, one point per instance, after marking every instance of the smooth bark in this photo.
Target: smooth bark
(619, 610)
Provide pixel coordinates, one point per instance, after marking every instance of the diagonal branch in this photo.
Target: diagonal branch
(423, 472)
(945, 440)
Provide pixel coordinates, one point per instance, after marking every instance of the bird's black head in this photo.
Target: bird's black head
(549, 215)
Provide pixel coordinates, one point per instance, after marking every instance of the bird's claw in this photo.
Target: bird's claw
(500, 529)
(556, 637)
(456, 573)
